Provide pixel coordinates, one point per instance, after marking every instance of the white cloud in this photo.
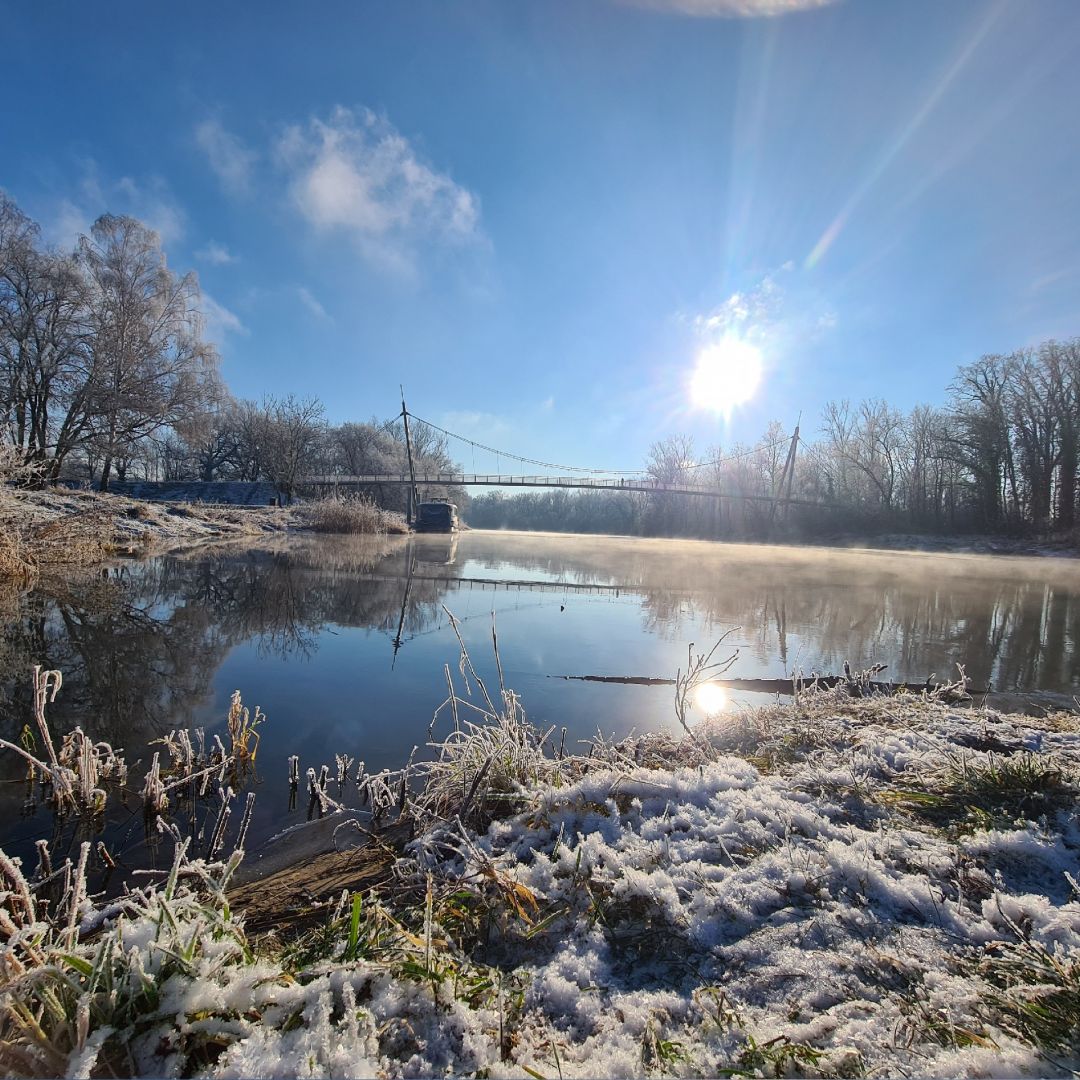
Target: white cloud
(311, 303)
(729, 9)
(219, 320)
(355, 174)
(150, 200)
(744, 314)
(228, 156)
(216, 254)
(548, 404)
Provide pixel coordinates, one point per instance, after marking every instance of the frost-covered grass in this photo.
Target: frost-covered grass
(50, 530)
(347, 514)
(839, 887)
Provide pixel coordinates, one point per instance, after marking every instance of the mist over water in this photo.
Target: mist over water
(343, 642)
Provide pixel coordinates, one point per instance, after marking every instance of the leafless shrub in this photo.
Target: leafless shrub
(15, 469)
(700, 668)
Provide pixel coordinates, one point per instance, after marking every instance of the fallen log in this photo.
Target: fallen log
(289, 900)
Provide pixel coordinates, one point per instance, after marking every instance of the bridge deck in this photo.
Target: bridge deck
(616, 483)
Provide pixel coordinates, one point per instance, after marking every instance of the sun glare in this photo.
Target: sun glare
(710, 698)
(727, 375)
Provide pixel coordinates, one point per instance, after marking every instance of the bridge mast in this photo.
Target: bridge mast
(414, 498)
(787, 475)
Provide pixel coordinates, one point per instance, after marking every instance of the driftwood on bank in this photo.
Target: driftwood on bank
(289, 900)
(858, 687)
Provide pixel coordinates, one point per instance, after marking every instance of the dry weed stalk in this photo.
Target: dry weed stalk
(242, 727)
(499, 758)
(75, 773)
(153, 790)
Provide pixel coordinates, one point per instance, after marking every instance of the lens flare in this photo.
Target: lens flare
(726, 375)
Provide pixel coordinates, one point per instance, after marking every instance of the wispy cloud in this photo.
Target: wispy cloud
(776, 311)
(729, 9)
(355, 174)
(309, 301)
(216, 254)
(218, 320)
(481, 426)
(547, 404)
(149, 199)
(230, 159)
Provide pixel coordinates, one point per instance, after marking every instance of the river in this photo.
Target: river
(344, 643)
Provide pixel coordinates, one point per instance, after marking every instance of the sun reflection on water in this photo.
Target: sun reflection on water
(711, 698)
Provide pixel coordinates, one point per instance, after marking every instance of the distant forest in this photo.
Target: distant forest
(1000, 456)
(105, 373)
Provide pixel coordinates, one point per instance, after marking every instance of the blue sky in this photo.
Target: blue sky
(536, 214)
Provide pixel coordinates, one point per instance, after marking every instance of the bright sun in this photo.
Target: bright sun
(727, 374)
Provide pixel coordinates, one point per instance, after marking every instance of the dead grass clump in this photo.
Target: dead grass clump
(488, 768)
(336, 514)
(74, 540)
(66, 542)
(17, 562)
(242, 725)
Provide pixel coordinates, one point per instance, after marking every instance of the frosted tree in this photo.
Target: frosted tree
(46, 367)
(151, 365)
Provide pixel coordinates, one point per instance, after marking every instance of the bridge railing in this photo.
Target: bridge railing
(508, 480)
(617, 483)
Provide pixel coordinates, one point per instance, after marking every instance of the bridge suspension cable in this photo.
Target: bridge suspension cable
(587, 469)
(742, 453)
(526, 460)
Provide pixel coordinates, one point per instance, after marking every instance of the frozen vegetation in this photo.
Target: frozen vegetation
(872, 886)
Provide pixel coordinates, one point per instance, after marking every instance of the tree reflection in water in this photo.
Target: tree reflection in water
(141, 646)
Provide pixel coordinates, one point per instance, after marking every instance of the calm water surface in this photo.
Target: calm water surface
(343, 642)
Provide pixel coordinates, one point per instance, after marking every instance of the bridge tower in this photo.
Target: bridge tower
(414, 497)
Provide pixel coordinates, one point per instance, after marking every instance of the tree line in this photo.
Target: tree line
(1000, 455)
(105, 372)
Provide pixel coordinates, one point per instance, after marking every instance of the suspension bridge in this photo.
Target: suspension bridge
(572, 476)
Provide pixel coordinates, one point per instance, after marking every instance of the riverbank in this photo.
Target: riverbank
(62, 527)
(1060, 545)
(836, 887)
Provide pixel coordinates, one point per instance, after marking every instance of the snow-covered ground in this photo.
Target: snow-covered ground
(878, 887)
